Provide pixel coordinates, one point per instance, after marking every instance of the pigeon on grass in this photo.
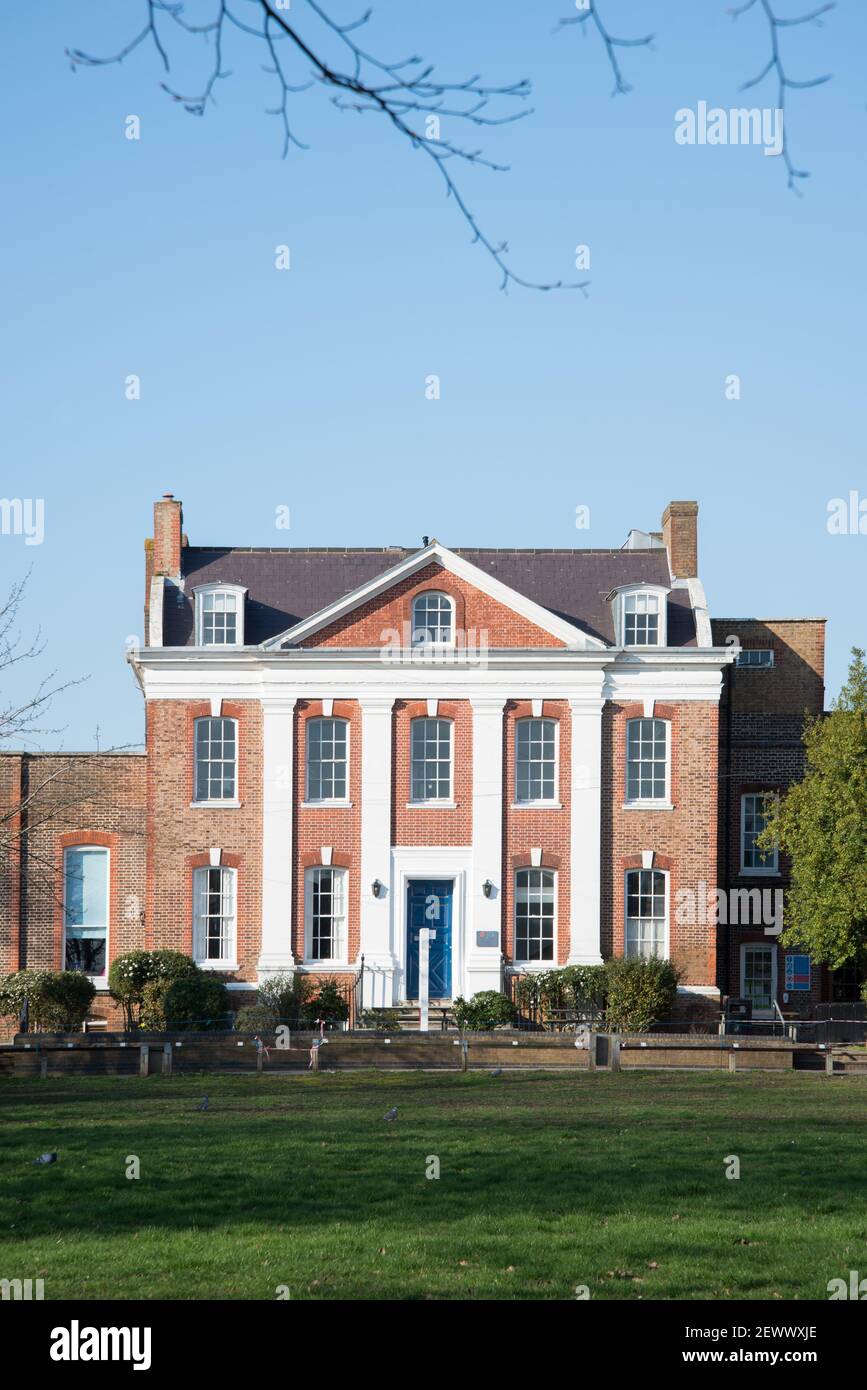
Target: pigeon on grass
(391, 1114)
(498, 1071)
(204, 1104)
(45, 1158)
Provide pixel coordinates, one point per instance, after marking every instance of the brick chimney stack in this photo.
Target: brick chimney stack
(168, 523)
(680, 537)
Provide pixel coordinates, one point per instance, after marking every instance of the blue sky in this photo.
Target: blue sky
(306, 388)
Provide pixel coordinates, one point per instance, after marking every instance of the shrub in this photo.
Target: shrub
(285, 995)
(197, 1002)
(383, 1020)
(572, 988)
(255, 1018)
(641, 992)
(58, 1000)
(328, 1002)
(140, 978)
(485, 1010)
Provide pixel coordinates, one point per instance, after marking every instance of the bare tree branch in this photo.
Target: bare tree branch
(590, 11)
(407, 93)
(775, 64)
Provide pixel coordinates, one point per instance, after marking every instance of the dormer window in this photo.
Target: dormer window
(433, 619)
(640, 616)
(220, 615)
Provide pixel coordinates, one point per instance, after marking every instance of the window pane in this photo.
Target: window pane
(215, 759)
(214, 914)
(534, 915)
(86, 890)
(430, 758)
(535, 760)
(326, 759)
(645, 913)
(326, 894)
(432, 618)
(646, 758)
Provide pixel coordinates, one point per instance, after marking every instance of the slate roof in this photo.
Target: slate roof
(284, 586)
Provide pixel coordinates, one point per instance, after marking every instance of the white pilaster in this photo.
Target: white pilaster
(484, 968)
(277, 762)
(376, 913)
(586, 825)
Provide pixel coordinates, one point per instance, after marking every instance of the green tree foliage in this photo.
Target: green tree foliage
(821, 823)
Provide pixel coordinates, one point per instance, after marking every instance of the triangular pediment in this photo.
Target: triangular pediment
(436, 555)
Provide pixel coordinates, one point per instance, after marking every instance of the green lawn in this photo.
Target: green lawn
(547, 1182)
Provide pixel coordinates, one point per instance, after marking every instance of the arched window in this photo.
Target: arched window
(433, 617)
(220, 615)
(214, 915)
(85, 909)
(535, 898)
(646, 912)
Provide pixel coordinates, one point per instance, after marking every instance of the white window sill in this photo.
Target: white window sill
(227, 805)
(323, 964)
(759, 873)
(647, 806)
(325, 805)
(536, 806)
(432, 805)
(534, 967)
(219, 965)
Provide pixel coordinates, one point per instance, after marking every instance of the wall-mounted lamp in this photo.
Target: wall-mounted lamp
(487, 887)
(378, 889)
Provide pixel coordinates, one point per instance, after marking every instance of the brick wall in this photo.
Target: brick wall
(684, 839)
(78, 798)
(475, 613)
(761, 720)
(545, 828)
(179, 831)
(336, 826)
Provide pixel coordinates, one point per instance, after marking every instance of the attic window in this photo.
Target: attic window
(433, 619)
(220, 615)
(640, 616)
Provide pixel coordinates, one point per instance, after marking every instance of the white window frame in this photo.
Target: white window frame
(205, 962)
(236, 591)
(329, 800)
(772, 867)
(746, 665)
(528, 966)
(631, 591)
(442, 801)
(343, 932)
(650, 802)
(100, 981)
(420, 598)
(554, 798)
(627, 919)
(760, 946)
(224, 801)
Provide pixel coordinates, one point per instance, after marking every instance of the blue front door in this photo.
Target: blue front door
(429, 904)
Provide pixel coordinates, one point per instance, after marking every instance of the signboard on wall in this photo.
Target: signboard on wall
(797, 972)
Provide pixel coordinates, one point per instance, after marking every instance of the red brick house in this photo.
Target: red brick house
(560, 750)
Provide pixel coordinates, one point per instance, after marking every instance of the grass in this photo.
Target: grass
(547, 1182)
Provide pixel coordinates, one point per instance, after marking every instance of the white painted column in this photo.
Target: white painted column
(377, 914)
(586, 826)
(424, 939)
(277, 766)
(484, 946)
